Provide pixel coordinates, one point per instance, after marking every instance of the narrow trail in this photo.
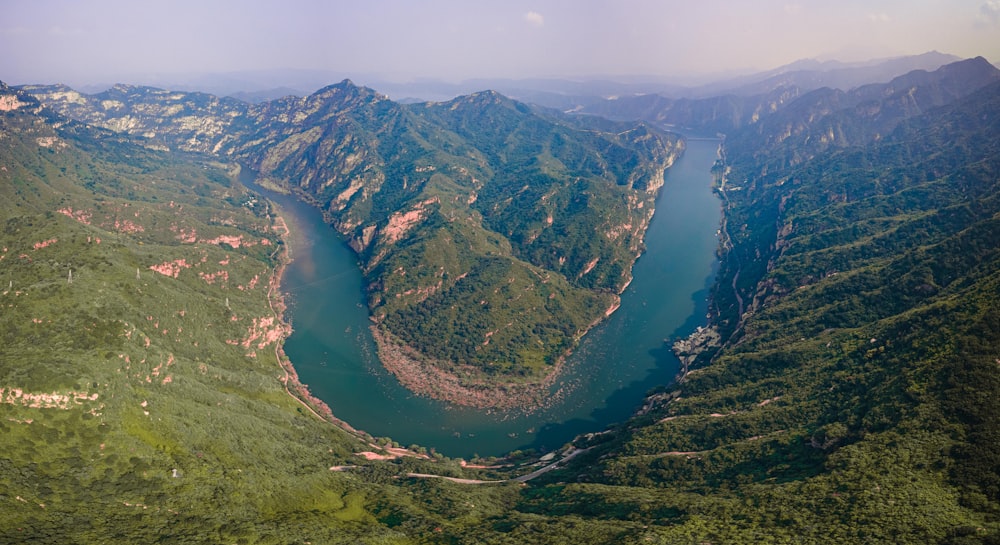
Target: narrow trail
(522, 479)
(453, 479)
(729, 243)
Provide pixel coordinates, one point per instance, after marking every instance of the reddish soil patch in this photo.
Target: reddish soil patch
(422, 377)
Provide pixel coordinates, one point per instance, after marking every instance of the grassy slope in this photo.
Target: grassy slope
(152, 383)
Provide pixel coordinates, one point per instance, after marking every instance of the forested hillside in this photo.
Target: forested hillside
(140, 389)
(474, 220)
(854, 398)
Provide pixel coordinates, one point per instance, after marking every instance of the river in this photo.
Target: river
(605, 380)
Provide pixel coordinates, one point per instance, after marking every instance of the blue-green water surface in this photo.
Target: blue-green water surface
(605, 379)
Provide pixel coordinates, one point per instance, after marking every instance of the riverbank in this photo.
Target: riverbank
(601, 382)
(276, 301)
(687, 350)
(424, 378)
(427, 377)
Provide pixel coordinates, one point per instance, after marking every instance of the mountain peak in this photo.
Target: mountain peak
(977, 64)
(488, 95)
(967, 75)
(348, 90)
(484, 99)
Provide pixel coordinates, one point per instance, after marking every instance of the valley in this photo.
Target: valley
(476, 246)
(603, 381)
(850, 398)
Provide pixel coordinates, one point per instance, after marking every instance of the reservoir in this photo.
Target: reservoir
(605, 379)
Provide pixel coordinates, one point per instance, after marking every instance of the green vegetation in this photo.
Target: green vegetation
(484, 237)
(451, 207)
(855, 400)
(856, 403)
(143, 406)
(130, 410)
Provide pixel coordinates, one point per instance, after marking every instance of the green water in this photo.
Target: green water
(606, 378)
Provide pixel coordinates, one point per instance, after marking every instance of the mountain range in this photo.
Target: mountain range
(448, 205)
(851, 397)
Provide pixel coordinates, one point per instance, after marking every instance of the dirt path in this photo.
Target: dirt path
(453, 479)
(728, 243)
(521, 479)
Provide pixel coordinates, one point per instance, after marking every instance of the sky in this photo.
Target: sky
(130, 41)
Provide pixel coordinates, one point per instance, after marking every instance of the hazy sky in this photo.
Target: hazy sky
(81, 42)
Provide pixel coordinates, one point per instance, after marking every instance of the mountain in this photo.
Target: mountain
(828, 118)
(810, 74)
(851, 396)
(714, 115)
(445, 215)
(442, 213)
(265, 95)
(732, 105)
(163, 119)
(139, 378)
(568, 94)
(855, 398)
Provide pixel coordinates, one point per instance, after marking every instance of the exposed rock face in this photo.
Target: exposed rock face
(16, 99)
(182, 121)
(10, 102)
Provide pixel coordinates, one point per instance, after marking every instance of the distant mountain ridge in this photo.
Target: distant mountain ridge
(811, 74)
(733, 111)
(560, 93)
(832, 118)
(804, 75)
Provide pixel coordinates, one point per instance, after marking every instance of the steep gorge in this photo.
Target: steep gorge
(473, 220)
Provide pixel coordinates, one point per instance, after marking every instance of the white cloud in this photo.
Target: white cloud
(534, 18)
(878, 17)
(989, 12)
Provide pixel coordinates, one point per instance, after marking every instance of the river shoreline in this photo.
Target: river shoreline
(424, 378)
(601, 380)
(294, 387)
